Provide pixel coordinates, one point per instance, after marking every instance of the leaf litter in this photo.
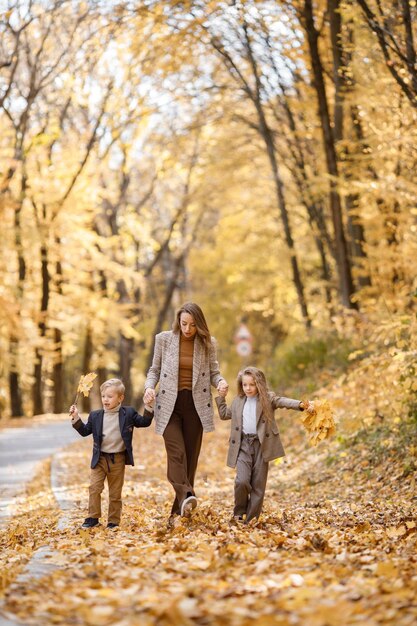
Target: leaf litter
(336, 544)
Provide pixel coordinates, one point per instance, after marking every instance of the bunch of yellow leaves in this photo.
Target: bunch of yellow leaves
(85, 384)
(319, 422)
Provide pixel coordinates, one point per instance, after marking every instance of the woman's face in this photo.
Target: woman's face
(187, 325)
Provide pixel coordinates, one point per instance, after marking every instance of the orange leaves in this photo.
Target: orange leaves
(85, 384)
(319, 422)
(333, 537)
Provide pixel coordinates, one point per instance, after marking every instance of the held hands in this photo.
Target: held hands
(222, 388)
(149, 396)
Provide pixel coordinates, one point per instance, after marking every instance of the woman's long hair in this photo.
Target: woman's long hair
(262, 387)
(200, 322)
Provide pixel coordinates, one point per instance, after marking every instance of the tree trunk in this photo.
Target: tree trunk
(126, 348)
(342, 259)
(163, 311)
(279, 189)
(343, 85)
(38, 404)
(15, 392)
(58, 374)
(357, 241)
(255, 95)
(58, 367)
(16, 404)
(268, 138)
(88, 351)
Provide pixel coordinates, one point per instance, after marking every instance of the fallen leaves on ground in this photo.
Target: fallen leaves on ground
(35, 514)
(335, 545)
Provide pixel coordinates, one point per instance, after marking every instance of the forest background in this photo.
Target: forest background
(256, 157)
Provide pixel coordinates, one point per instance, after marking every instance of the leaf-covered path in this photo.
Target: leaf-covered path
(336, 545)
(20, 451)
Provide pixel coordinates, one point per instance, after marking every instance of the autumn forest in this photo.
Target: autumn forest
(257, 157)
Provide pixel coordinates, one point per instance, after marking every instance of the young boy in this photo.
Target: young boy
(112, 429)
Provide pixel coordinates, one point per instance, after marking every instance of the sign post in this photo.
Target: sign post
(243, 341)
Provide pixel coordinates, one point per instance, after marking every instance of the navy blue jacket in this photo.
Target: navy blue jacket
(128, 419)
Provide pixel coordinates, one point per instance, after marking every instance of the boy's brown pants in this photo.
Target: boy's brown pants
(115, 474)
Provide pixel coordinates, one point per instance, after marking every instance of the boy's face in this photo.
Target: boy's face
(111, 398)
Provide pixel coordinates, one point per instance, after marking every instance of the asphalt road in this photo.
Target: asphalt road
(21, 449)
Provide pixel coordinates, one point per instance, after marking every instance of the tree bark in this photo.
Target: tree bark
(37, 397)
(88, 351)
(58, 374)
(342, 259)
(15, 392)
(344, 85)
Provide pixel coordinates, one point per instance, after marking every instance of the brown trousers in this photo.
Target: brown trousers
(183, 436)
(251, 477)
(115, 474)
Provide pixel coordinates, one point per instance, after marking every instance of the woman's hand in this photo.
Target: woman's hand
(149, 396)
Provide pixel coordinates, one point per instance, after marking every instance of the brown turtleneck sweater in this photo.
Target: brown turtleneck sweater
(185, 368)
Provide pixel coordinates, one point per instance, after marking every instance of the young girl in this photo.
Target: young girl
(254, 438)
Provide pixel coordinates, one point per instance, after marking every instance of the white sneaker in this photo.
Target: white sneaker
(188, 505)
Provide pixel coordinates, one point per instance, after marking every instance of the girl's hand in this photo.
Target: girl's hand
(149, 396)
(308, 406)
(223, 388)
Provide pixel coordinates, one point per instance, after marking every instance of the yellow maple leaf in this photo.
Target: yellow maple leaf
(86, 382)
(319, 422)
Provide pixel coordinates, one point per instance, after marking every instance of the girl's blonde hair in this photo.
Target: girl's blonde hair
(200, 322)
(113, 382)
(262, 387)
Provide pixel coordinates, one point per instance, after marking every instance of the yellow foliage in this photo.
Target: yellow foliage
(85, 384)
(319, 422)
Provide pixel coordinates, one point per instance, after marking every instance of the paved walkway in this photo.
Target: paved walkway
(21, 449)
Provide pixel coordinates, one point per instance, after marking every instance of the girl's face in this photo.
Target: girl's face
(187, 325)
(111, 398)
(249, 386)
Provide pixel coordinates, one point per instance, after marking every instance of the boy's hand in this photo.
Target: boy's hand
(74, 415)
(149, 396)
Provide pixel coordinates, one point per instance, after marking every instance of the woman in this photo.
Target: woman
(185, 365)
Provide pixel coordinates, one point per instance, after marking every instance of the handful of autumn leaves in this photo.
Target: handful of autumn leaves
(319, 422)
(85, 384)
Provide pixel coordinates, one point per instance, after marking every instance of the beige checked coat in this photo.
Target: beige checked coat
(164, 369)
(268, 434)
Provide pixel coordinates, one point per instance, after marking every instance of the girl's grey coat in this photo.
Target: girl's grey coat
(268, 434)
(164, 369)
